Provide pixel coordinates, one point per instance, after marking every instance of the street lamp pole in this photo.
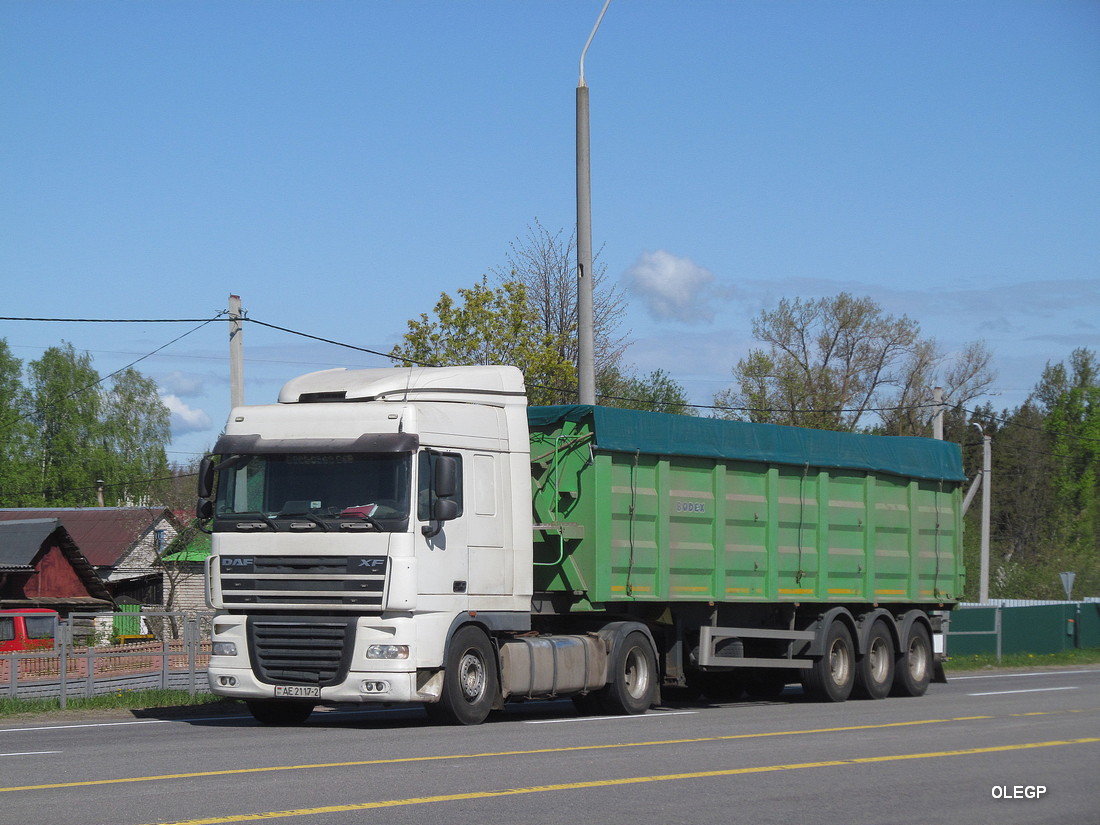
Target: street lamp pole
(586, 357)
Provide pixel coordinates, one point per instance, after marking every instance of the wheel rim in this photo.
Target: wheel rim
(636, 673)
(839, 662)
(879, 659)
(471, 676)
(918, 659)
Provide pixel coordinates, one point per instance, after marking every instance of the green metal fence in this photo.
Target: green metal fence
(1040, 628)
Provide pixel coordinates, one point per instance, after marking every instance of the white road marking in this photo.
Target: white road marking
(951, 678)
(1032, 690)
(656, 715)
(29, 753)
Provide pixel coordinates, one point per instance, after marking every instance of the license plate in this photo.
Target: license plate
(297, 691)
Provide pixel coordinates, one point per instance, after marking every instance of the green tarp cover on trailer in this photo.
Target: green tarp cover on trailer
(629, 431)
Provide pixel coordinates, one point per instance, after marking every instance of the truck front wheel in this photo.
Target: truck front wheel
(633, 672)
(469, 680)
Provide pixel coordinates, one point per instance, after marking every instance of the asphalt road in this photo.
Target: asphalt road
(1005, 748)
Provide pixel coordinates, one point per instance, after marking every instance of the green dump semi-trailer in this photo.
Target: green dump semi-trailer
(422, 535)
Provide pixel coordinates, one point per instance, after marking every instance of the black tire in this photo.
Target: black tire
(469, 680)
(765, 683)
(914, 665)
(279, 711)
(833, 675)
(875, 668)
(633, 671)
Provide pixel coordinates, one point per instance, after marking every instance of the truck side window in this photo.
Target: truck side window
(7, 630)
(425, 479)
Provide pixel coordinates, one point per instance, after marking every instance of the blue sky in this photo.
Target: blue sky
(340, 164)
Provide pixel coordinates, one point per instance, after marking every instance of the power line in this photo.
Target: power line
(329, 341)
(12, 421)
(116, 320)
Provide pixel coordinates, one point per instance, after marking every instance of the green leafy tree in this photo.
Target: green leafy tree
(68, 443)
(78, 434)
(1070, 397)
(1046, 502)
(656, 392)
(136, 429)
(16, 469)
(834, 363)
(489, 326)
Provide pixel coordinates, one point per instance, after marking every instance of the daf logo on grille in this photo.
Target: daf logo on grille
(236, 561)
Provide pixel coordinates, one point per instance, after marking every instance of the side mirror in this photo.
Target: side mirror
(446, 509)
(446, 476)
(206, 477)
(204, 509)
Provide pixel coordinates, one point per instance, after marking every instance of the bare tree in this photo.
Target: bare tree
(829, 362)
(545, 263)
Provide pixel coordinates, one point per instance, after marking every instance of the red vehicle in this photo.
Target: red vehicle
(32, 628)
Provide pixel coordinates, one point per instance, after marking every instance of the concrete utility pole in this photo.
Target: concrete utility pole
(937, 419)
(236, 353)
(987, 474)
(586, 346)
(983, 480)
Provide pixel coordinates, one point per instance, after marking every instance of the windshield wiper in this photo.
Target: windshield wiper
(362, 514)
(310, 516)
(270, 522)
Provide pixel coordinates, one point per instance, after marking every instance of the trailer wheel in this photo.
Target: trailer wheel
(633, 673)
(279, 712)
(913, 669)
(469, 680)
(875, 669)
(832, 676)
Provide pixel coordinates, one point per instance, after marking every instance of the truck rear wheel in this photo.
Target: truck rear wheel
(279, 712)
(913, 669)
(633, 671)
(469, 680)
(832, 676)
(875, 670)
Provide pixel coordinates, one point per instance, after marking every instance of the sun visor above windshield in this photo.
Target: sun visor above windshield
(397, 383)
(253, 444)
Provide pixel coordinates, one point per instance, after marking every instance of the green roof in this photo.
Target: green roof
(619, 430)
(197, 550)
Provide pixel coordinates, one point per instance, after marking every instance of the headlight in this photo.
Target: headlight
(224, 649)
(388, 652)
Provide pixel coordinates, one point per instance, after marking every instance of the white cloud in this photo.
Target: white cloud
(182, 384)
(674, 288)
(184, 418)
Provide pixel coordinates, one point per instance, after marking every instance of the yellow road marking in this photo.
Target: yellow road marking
(571, 749)
(630, 780)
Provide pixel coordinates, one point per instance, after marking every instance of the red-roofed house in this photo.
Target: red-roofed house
(122, 544)
(41, 566)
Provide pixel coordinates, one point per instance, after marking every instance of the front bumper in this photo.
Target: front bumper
(361, 679)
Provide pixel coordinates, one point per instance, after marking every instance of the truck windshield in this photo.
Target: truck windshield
(321, 487)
